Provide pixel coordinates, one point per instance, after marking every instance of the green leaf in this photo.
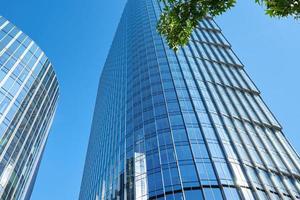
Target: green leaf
(181, 17)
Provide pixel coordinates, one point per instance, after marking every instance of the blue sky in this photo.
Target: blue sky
(76, 36)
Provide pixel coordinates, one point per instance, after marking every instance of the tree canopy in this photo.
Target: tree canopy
(180, 17)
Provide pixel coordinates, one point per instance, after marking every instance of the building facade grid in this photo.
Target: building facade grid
(28, 100)
(185, 125)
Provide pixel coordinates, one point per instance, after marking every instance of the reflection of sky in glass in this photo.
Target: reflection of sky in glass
(140, 176)
(28, 98)
(195, 117)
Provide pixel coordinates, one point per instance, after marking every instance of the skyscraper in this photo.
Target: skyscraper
(28, 99)
(188, 125)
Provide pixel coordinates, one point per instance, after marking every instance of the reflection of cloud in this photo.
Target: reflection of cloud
(140, 172)
(103, 191)
(240, 179)
(5, 176)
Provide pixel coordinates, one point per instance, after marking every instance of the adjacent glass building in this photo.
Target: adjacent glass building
(28, 99)
(184, 126)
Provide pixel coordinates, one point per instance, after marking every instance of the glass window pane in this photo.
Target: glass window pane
(231, 193)
(212, 194)
(193, 195)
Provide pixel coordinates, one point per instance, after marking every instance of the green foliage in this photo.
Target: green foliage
(281, 8)
(180, 17)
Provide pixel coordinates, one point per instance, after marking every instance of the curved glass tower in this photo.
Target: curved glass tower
(184, 126)
(28, 98)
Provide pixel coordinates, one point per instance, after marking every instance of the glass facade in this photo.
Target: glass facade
(28, 99)
(189, 125)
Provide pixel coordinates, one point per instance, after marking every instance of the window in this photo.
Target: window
(173, 107)
(188, 173)
(167, 156)
(248, 194)
(231, 193)
(183, 153)
(162, 123)
(209, 133)
(252, 174)
(160, 110)
(179, 135)
(199, 150)
(165, 139)
(176, 120)
(212, 193)
(174, 176)
(265, 178)
(190, 118)
(155, 182)
(178, 196)
(215, 150)
(193, 195)
(275, 196)
(194, 134)
(167, 179)
(223, 171)
(239, 175)
(262, 195)
(206, 172)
